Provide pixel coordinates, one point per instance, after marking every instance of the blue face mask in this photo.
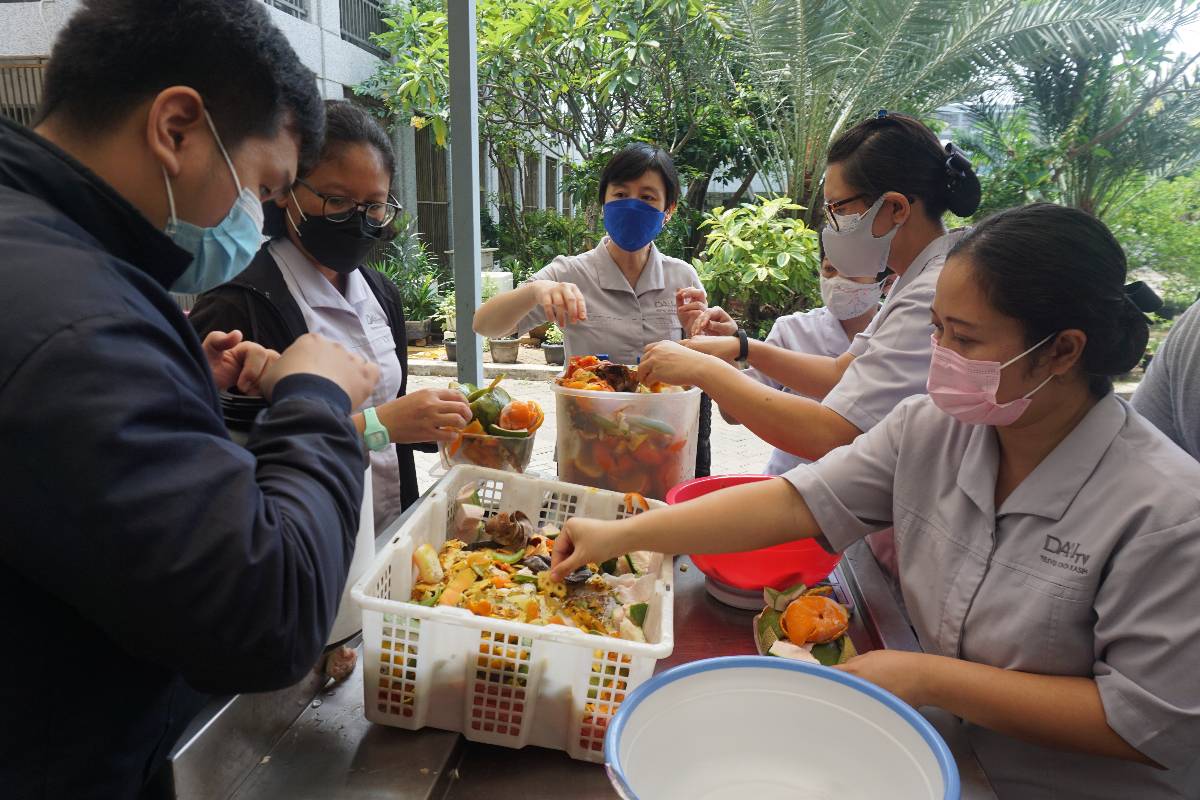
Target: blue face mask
(220, 253)
(632, 223)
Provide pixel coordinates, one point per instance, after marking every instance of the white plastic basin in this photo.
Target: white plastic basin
(763, 728)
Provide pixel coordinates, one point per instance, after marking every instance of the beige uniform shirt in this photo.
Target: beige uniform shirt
(622, 319)
(891, 357)
(1089, 568)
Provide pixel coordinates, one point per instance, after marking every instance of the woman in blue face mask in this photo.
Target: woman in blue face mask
(310, 278)
(620, 296)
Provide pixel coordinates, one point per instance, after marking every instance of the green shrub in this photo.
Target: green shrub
(759, 264)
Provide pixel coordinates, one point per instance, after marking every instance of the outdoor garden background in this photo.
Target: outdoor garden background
(1090, 103)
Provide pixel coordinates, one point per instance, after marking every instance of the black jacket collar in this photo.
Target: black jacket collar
(32, 165)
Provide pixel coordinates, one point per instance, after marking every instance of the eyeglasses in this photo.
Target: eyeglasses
(831, 208)
(337, 208)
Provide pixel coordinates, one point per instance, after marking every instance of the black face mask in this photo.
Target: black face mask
(341, 246)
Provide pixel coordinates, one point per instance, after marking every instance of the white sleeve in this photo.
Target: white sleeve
(895, 363)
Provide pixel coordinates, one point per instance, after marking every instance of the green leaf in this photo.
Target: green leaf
(440, 131)
(828, 653)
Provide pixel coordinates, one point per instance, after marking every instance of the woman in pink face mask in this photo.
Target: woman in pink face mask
(1048, 537)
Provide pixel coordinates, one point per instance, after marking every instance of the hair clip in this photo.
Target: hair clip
(1143, 297)
(957, 163)
(881, 114)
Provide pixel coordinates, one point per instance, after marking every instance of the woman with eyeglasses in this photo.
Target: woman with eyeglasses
(888, 184)
(1048, 534)
(310, 278)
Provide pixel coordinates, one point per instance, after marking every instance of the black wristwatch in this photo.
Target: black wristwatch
(743, 349)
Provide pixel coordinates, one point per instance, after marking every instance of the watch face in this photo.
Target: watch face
(376, 440)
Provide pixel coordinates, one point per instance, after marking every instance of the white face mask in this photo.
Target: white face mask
(847, 299)
(853, 248)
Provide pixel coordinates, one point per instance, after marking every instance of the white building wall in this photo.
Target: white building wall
(29, 29)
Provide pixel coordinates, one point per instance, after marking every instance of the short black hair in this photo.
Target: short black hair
(347, 123)
(897, 153)
(115, 54)
(1054, 268)
(633, 161)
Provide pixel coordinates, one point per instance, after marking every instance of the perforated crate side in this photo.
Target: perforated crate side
(501, 690)
(599, 690)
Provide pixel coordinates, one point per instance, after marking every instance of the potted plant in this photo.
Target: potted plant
(504, 349)
(420, 300)
(451, 348)
(553, 347)
(446, 313)
(406, 263)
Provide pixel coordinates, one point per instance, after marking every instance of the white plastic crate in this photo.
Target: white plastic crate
(498, 681)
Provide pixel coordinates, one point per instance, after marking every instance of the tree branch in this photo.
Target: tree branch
(1154, 93)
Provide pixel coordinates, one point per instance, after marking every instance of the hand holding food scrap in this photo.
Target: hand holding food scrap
(495, 435)
(501, 568)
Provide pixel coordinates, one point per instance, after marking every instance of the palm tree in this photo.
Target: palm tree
(829, 63)
(1117, 124)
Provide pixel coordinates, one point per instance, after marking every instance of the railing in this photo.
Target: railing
(297, 8)
(360, 19)
(21, 88)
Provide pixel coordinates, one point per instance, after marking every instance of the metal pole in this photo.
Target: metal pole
(464, 185)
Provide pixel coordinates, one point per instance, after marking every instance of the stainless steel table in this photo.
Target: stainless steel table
(246, 748)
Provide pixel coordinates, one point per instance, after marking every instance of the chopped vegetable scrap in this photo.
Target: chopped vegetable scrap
(594, 374)
(498, 433)
(804, 624)
(622, 452)
(504, 572)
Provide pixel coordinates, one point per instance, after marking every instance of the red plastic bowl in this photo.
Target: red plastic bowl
(779, 567)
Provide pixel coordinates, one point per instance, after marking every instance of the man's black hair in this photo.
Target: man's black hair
(113, 55)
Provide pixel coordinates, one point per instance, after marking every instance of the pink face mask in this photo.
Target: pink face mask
(966, 389)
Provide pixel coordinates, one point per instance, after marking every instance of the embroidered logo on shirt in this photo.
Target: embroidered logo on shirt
(1065, 555)
(375, 320)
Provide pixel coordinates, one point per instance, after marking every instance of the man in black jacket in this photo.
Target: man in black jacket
(144, 555)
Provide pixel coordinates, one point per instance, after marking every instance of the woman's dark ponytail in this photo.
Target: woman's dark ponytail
(1054, 268)
(898, 153)
(1121, 345)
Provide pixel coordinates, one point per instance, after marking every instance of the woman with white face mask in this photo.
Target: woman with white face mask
(888, 183)
(849, 306)
(1048, 535)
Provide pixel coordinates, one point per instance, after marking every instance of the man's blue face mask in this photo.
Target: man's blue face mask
(219, 253)
(631, 223)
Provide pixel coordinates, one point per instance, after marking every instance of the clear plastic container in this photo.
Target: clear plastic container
(510, 454)
(627, 442)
